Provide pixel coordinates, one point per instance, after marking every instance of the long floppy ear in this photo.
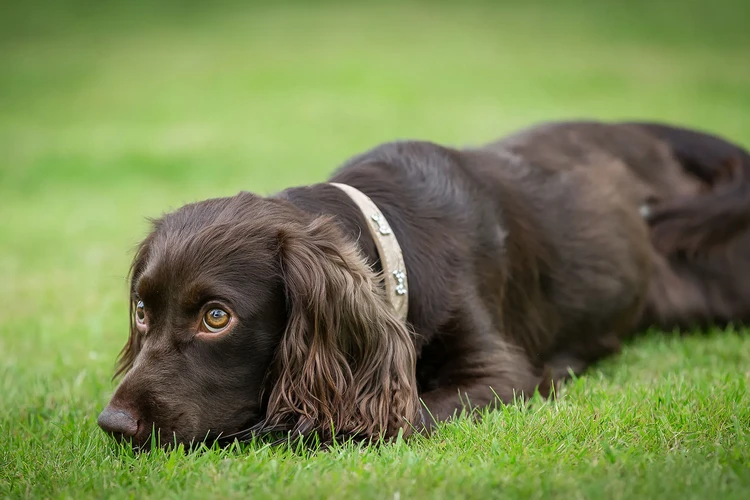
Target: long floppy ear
(346, 364)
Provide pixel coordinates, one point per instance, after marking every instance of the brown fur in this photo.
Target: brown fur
(702, 267)
(694, 224)
(345, 363)
(527, 259)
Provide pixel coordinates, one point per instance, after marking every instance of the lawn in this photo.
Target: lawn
(111, 112)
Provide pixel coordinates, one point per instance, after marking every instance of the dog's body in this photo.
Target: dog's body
(702, 268)
(526, 259)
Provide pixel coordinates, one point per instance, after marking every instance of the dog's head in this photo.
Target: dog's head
(247, 312)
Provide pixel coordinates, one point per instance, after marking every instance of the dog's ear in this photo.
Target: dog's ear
(346, 363)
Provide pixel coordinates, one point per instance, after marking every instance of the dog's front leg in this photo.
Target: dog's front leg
(489, 380)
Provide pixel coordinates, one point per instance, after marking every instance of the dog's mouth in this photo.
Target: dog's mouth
(141, 434)
(149, 437)
(153, 438)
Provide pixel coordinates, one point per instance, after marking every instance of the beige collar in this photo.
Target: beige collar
(391, 258)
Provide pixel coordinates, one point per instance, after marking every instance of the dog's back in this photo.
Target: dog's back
(704, 240)
(694, 224)
(693, 190)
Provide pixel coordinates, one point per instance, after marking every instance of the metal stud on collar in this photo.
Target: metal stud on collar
(383, 227)
(400, 277)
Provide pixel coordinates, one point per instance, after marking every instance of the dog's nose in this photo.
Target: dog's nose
(118, 422)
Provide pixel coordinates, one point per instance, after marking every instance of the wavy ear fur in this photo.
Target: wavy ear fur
(346, 364)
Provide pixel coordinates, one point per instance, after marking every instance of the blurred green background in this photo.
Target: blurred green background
(113, 111)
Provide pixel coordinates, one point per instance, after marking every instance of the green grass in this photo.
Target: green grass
(113, 112)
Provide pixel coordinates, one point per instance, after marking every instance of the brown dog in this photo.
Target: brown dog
(517, 262)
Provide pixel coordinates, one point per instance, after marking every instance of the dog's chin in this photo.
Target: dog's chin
(187, 431)
(169, 440)
(190, 441)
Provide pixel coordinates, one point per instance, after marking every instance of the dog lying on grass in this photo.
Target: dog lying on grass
(421, 277)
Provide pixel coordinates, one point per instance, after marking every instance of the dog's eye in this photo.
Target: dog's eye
(140, 313)
(216, 320)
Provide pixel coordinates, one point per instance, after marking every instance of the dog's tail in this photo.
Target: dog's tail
(694, 224)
